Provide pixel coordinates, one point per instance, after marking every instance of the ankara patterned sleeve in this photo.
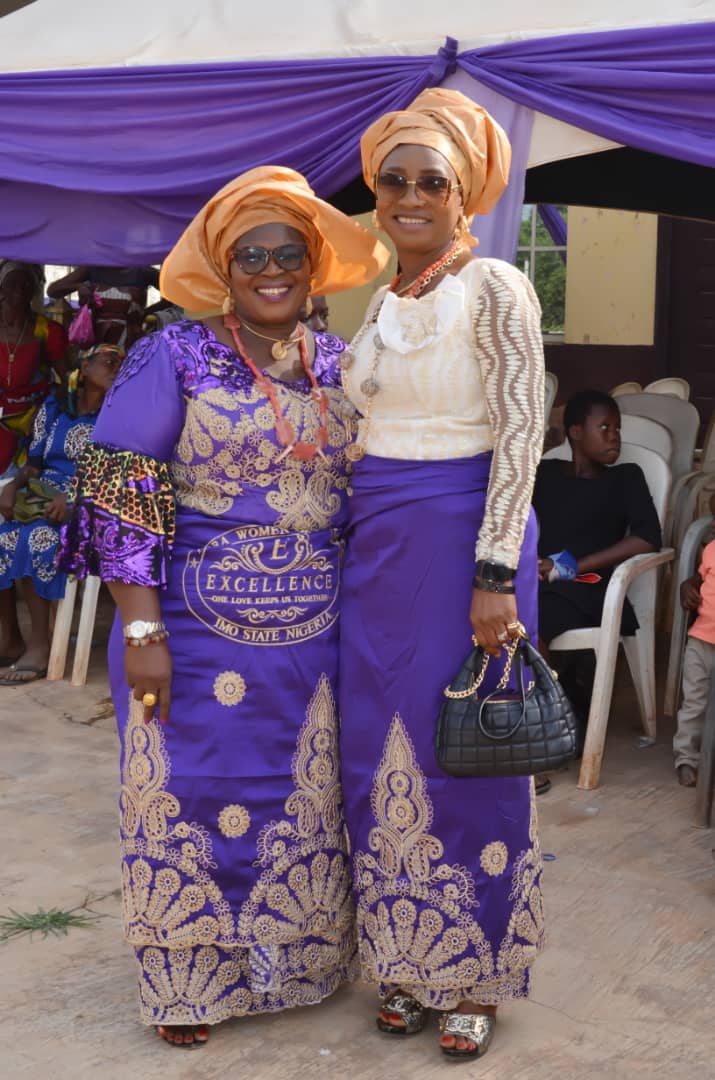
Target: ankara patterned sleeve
(511, 358)
(122, 525)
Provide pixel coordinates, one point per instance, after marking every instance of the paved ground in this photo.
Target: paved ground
(624, 990)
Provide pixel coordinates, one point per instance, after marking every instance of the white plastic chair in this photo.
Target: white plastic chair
(625, 388)
(678, 387)
(641, 431)
(551, 389)
(682, 420)
(698, 533)
(63, 626)
(688, 487)
(637, 579)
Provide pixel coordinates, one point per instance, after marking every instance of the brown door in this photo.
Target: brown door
(690, 320)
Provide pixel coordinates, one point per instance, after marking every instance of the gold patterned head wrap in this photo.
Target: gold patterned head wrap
(464, 133)
(343, 254)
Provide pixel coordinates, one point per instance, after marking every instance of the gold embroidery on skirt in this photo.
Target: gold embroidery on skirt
(414, 914)
(184, 986)
(161, 905)
(234, 820)
(494, 858)
(208, 984)
(299, 912)
(229, 688)
(303, 890)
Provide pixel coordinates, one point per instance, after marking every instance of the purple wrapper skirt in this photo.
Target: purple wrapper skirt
(446, 871)
(236, 880)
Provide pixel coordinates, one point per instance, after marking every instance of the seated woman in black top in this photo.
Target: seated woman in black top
(593, 514)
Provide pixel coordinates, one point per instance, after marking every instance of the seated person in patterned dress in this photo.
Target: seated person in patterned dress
(33, 505)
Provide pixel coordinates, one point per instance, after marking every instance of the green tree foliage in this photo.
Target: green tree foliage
(549, 272)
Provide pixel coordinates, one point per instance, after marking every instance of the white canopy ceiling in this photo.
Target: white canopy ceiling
(48, 35)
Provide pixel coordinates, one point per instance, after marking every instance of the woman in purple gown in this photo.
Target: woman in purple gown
(212, 502)
(447, 374)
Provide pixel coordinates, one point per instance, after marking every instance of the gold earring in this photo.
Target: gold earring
(376, 224)
(308, 307)
(463, 231)
(229, 303)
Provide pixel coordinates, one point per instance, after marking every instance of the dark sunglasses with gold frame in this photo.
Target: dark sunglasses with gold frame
(393, 185)
(253, 259)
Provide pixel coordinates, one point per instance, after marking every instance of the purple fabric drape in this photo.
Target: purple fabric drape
(555, 225)
(498, 232)
(652, 88)
(106, 167)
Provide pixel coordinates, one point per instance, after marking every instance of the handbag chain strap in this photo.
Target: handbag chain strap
(478, 679)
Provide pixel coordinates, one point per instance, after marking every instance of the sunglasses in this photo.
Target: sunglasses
(252, 260)
(393, 185)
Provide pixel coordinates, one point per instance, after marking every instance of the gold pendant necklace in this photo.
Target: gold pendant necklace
(280, 346)
(11, 351)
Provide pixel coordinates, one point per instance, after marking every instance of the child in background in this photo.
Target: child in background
(593, 514)
(697, 593)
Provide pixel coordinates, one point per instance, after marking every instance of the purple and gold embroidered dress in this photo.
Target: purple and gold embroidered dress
(446, 871)
(235, 873)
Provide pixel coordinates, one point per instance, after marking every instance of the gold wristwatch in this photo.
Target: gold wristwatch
(139, 629)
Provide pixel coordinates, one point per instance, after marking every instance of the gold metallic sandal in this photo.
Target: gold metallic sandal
(408, 1009)
(476, 1027)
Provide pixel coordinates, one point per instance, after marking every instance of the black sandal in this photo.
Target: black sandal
(408, 1009)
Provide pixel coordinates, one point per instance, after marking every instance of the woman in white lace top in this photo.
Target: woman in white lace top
(446, 374)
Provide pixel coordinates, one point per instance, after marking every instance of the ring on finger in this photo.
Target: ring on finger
(503, 636)
(149, 701)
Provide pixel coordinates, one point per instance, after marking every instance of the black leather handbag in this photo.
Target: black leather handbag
(505, 734)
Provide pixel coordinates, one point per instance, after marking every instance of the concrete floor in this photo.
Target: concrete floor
(624, 989)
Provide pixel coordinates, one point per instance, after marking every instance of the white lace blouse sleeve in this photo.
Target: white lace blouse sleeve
(511, 357)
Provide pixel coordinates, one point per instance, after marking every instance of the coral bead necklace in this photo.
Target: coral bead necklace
(285, 432)
(417, 287)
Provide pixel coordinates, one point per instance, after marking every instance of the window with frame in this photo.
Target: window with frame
(543, 260)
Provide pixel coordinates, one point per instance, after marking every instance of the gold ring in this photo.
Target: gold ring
(149, 701)
(503, 636)
(518, 626)
(475, 641)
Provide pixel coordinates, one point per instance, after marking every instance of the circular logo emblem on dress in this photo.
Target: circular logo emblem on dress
(261, 586)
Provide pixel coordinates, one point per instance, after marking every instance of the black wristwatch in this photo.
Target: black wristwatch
(493, 571)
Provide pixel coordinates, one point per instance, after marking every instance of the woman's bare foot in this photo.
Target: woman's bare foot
(184, 1035)
(687, 775)
(452, 1042)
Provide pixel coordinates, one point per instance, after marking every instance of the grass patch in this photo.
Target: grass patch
(54, 922)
